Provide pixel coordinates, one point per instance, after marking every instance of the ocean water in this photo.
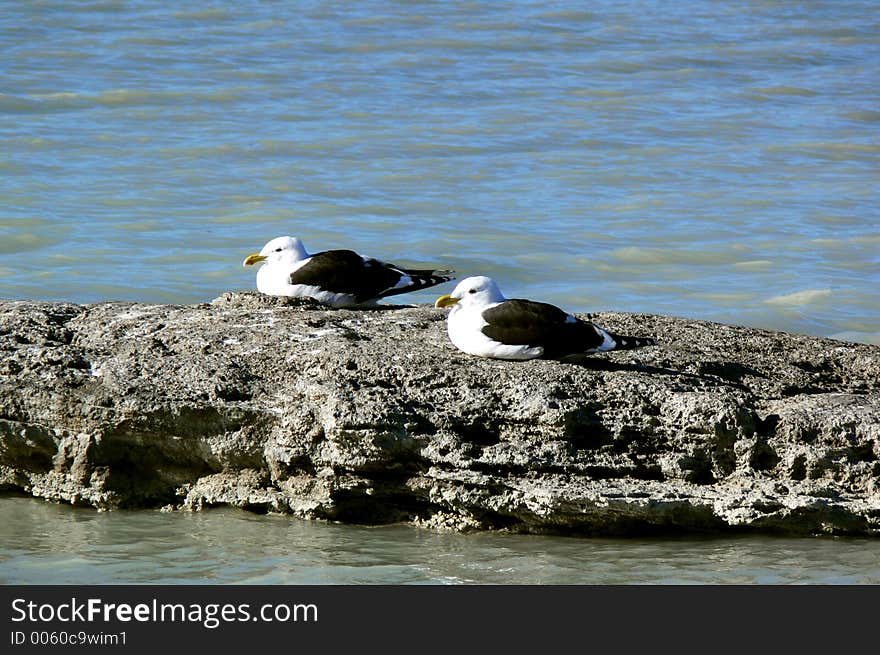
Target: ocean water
(46, 543)
(713, 159)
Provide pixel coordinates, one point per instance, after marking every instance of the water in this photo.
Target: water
(709, 159)
(717, 160)
(45, 543)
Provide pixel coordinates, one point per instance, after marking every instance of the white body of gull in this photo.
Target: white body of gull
(484, 323)
(339, 278)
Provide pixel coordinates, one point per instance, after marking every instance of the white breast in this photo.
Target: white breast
(275, 281)
(464, 326)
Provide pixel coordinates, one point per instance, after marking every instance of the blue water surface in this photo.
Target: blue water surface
(710, 159)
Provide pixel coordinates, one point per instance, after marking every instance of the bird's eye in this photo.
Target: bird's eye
(472, 291)
(277, 249)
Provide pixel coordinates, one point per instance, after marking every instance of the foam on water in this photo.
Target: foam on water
(798, 298)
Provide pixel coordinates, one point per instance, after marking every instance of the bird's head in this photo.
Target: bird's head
(281, 250)
(477, 291)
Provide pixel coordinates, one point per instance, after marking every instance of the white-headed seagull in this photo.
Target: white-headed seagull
(484, 323)
(339, 278)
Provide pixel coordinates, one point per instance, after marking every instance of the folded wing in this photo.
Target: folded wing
(527, 322)
(364, 278)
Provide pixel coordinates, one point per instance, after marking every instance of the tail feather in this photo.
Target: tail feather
(628, 343)
(418, 279)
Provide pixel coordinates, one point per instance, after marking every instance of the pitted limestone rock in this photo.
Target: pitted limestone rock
(281, 405)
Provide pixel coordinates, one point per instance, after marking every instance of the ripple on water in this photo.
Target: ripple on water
(29, 234)
(47, 543)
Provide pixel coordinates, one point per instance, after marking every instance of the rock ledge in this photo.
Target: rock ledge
(279, 405)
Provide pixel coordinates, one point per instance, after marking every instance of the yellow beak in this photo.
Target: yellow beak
(445, 301)
(256, 258)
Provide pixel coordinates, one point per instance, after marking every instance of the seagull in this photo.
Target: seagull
(484, 323)
(339, 278)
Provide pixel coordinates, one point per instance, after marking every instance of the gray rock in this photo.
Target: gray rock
(280, 405)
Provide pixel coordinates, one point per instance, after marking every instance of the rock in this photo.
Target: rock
(280, 405)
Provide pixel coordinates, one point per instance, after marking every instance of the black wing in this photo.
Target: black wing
(530, 323)
(345, 271)
(419, 279)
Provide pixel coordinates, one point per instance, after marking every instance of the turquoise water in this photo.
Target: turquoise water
(45, 543)
(717, 160)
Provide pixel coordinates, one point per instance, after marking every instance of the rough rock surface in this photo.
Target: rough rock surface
(372, 416)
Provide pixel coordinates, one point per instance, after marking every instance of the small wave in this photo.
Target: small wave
(117, 98)
(865, 116)
(203, 14)
(829, 148)
(755, 264)
(805, 297)
(858, 337)
(135, 97)
(784, 91)
(639, 255)
(727, 299)
(570, 15)
(67, 100)
(868, 240)
(10, 104)
(17, 243)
